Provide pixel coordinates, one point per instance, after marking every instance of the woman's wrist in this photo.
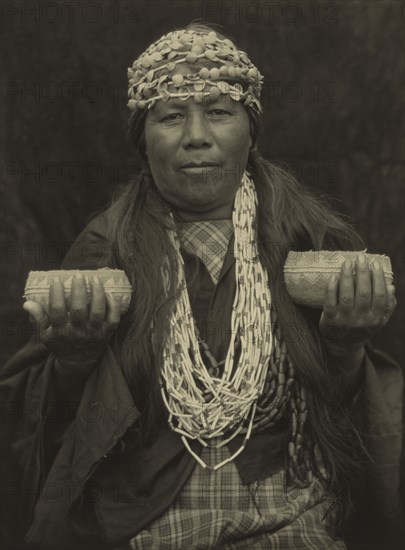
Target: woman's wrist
(73, 369)
(69, 379)
(347, 361)
(339, 352)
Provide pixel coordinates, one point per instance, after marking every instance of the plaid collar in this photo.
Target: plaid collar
(208, 240)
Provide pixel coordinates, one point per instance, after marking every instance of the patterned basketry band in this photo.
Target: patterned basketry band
(306, 274)
(114, 282)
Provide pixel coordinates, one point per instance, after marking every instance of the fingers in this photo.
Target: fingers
(363, 292)
(98, 302)
(379, 299)
(100, 317)
(391, 302)
(346, 287)
(78, 301)
(57, 310)
(37, 314)
(331, 298)
(114, 312)
(101, 303)
(372, 295)
(356, 306)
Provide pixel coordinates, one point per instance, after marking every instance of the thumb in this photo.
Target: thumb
(37, 314)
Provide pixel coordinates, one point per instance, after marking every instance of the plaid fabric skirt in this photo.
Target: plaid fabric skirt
(216, 511)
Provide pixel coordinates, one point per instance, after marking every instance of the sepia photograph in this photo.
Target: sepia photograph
(202, 275)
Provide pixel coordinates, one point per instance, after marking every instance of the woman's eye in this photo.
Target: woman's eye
(172, 117)
(219, 112)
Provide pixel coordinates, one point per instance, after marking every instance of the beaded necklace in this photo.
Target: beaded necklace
(203, 407)
(258, 385)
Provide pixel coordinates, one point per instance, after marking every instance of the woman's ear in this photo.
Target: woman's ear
(253, 143)
(253, 136)
(255, 125)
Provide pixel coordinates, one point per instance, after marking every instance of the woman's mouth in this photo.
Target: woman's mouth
(200, 167)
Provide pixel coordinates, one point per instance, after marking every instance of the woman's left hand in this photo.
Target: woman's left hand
(356, 306)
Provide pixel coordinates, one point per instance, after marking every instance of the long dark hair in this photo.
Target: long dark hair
(289, 217)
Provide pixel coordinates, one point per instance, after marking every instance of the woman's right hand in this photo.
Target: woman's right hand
(77, 335)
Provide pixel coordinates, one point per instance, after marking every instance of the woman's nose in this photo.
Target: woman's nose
(197, 131)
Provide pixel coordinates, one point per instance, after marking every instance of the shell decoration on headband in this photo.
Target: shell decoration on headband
(155, 75)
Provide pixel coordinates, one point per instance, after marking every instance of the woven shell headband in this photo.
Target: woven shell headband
(156, 74)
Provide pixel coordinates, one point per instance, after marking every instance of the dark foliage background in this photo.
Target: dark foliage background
(333, 103)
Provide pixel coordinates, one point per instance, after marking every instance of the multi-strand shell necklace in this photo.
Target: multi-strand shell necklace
(213, 409)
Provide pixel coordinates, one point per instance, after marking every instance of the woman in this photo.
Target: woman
(216, 413)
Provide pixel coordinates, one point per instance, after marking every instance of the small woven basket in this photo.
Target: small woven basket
(306, 274)
(114, 282)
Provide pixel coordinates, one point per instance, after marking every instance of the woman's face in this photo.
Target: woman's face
(197, 154)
